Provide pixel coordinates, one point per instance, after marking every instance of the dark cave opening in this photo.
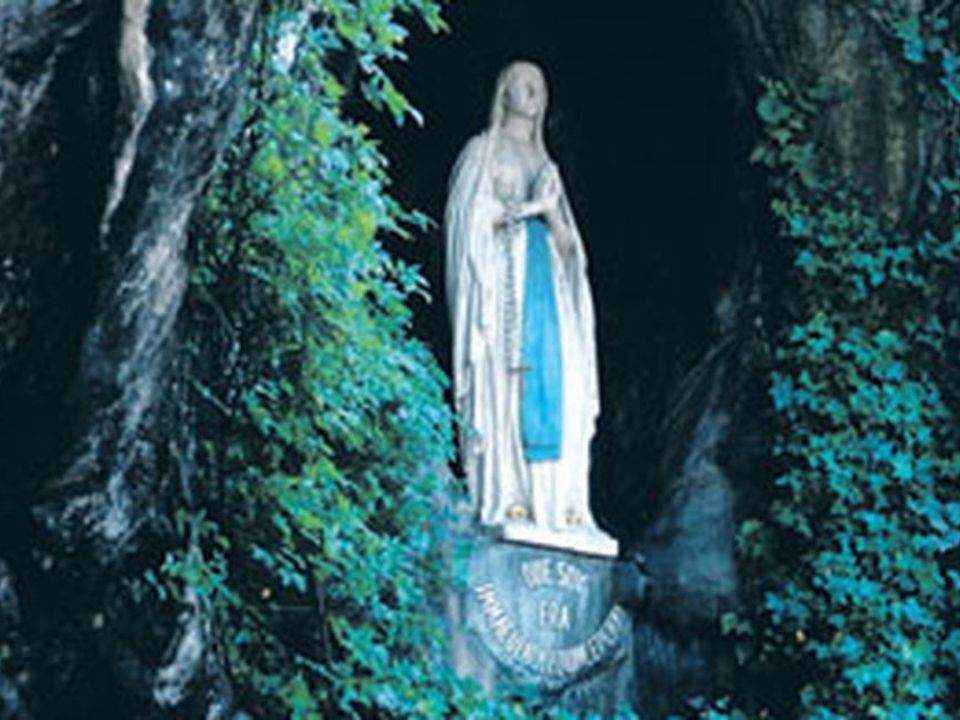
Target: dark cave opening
(645, 125)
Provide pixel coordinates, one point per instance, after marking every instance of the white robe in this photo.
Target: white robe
(486, 383)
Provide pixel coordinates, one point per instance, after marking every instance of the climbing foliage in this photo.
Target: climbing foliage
(321, 435)
(313, 547)
(853, 570)
(312, 572)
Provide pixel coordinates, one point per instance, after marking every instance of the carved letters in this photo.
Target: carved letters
(548, 572)
(559, 663)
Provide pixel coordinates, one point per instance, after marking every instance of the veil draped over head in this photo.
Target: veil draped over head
(472, 294)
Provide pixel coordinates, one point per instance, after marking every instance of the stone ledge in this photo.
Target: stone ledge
(585, 543)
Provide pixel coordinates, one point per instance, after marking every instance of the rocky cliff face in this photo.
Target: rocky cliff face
(880, 134)
(112, 116)
(714, 448)
(713, 436)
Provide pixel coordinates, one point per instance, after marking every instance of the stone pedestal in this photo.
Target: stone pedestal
(541, 620)
(585, 543)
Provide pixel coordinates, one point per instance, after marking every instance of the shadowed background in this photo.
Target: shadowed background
(641, 121)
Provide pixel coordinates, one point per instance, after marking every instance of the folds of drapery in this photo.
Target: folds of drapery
(472, 299)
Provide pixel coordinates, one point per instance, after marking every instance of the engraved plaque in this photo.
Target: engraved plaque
(544, 618)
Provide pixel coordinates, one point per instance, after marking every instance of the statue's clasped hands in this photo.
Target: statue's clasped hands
(546, 201)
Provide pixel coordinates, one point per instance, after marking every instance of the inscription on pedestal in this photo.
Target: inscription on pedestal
(559, 663)
(545, 617)
(554, 615)
(549, 572)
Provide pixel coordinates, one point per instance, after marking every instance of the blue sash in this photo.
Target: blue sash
(541, 400)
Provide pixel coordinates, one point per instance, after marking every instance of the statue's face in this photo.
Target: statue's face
(525, 93)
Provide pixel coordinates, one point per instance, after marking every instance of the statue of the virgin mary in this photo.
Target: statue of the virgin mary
(524, 354)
